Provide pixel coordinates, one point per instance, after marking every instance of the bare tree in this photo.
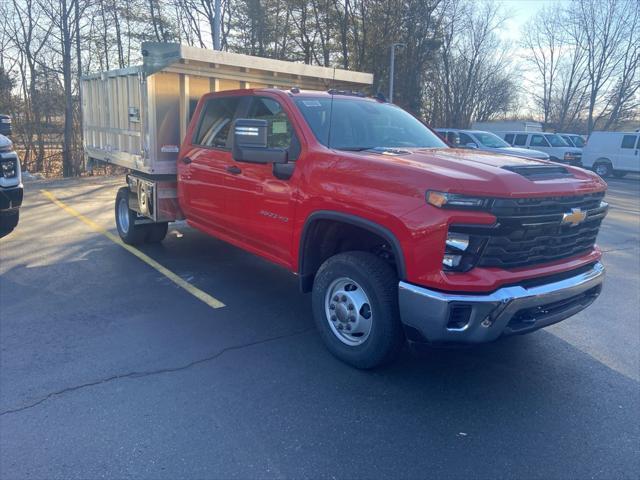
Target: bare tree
(544, 38)
(603, 25)
(473, 77)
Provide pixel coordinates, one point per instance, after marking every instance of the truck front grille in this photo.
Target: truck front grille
(532, 231)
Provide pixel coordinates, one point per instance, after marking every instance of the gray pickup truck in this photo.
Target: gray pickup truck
(5, 125)
(11, 190)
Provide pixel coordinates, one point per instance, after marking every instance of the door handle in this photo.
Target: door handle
(186, 160)
(234, 170)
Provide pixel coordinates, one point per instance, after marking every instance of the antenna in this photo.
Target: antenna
(332, 92)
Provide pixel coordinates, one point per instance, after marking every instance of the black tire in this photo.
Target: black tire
(619, 174)
(380, 283)
(8, 221)
(156, 232)
(604, 169)
(129, 232)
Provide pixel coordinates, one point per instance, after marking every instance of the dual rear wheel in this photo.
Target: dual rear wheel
(130, 232)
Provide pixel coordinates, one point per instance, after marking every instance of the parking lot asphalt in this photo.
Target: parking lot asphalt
(109, 369)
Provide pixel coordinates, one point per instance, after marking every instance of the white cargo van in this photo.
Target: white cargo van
(612, 153)
(550, 143)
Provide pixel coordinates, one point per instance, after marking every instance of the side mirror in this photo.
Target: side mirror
(472, 145)
(250, 143)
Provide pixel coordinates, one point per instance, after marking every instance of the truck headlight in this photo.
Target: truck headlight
(8, 168)
(455, 200)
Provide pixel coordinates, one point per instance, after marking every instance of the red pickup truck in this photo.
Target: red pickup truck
(397, 236)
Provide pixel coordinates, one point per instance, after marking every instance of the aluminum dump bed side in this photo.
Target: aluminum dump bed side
(137, 117)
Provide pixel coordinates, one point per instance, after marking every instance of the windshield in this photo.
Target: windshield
(578, 141)
(361, 125)
(556, 140)
(490, 140)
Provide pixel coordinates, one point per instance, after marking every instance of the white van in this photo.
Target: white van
(550, 143)
(612, 153)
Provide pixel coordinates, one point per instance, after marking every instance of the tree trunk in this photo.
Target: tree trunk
(67, 153)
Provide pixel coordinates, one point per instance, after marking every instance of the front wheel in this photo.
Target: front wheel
(603, 169)
(355, 308)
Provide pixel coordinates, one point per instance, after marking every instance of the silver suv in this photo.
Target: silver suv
(486, 141)
(11, 190)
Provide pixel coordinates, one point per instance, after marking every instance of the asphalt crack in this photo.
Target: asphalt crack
(149, 373)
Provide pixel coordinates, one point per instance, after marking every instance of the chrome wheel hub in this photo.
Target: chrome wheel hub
(601, 169)
(348, 311)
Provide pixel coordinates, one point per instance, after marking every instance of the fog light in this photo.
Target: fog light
(458, 241)
(451, 261)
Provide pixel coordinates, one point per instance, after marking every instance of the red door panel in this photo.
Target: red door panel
(261, 210)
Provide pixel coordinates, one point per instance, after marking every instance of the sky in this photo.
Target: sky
(520, 12)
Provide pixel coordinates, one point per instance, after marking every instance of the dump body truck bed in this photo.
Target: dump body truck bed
(137, 117)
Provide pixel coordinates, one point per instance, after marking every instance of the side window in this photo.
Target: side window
(280, 133)
(521, 140)
(464, 139)
(568, 139)
(538, 141)
(509, 138)
(216, 122)
(628, 141)
(453, 138)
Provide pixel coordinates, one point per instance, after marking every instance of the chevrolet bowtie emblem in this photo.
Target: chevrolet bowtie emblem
(575, 217)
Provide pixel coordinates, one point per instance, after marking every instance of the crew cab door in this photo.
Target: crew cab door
(260, 198)
(203, 163)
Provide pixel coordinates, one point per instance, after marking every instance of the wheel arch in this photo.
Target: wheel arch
(603, 160)
(309, 261)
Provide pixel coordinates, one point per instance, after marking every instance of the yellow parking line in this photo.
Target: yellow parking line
(196, 292)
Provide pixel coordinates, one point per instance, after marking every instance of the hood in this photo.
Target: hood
(475, 172)
(5, 143)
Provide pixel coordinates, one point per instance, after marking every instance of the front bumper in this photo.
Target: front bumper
(438, 317)
(11, 198)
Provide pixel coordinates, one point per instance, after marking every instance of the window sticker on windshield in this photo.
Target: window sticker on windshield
(279, 127)
(311, 103)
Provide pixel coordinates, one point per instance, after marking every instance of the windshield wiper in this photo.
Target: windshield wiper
(354, 149)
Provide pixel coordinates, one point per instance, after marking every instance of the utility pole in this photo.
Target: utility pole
(217, 25)
(393, 67)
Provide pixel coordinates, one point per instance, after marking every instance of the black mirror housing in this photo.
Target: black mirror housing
(250, 143)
